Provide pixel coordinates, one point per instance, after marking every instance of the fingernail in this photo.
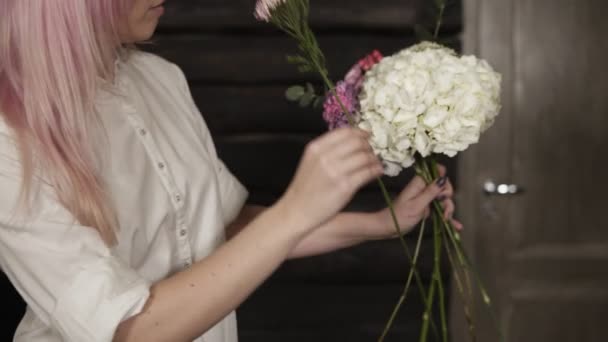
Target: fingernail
(442, 181)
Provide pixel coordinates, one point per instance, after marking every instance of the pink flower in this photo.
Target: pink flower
(356, 74)
(354, 77)
(264, 8)
(332, 111)
(370, 60)
(348, 92)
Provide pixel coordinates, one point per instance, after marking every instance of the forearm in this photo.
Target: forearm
(184, 306)
(344, 230)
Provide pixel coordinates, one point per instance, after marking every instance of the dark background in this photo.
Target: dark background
(238, 74)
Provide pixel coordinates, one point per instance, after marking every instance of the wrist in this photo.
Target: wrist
(362, 227)
(291, 217)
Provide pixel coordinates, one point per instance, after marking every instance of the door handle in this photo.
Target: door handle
(501, 189)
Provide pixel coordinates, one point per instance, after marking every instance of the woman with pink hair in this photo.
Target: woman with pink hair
(118, 222)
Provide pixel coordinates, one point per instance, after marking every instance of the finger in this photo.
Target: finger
(414, 188)
(364, 175)
(427, 213)
(429, 194)
(448, 209)
(447, 192)
(352, 144)
(442, 170)
(457, 225)
(333, 138)
(355, 162)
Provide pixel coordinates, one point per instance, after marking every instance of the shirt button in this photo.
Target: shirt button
(142, 132)
(183, 232)
(178, 198)
(187, 264)
(161, 165)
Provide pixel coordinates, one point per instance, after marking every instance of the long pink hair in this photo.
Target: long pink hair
(53, 57)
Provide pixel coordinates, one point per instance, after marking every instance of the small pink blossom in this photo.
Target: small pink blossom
(332, 111)
(370, 60)
(348, 92)
(355, 75)
(264, 8)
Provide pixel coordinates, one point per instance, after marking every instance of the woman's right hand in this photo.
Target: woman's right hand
(333, 168)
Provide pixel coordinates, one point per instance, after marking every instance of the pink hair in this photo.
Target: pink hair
(53, 58)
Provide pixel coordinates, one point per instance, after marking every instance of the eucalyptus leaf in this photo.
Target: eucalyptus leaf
(296, 59)
(305, 68)
(306, 99)
(310, 88)
(295, 93)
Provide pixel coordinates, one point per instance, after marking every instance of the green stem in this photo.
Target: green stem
(466, 299)
(323, 73)
(467, 264)
(439, 21)
(436, 275)
(403, 296)
(442, 311)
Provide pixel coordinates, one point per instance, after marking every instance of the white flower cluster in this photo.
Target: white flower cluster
(427, 99)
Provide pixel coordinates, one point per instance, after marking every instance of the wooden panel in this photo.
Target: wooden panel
(573, 270)
(255, 158)
(372, 263)
(546, 320)
(324, 313)
(326, 14)
(232, 58)
(562, 122)
(254, 110)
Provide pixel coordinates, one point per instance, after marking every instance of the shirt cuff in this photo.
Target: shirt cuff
(98, 300)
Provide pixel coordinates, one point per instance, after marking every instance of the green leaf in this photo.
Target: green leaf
(295, 93)
(306, 99)
(296, 59)
(310, 88)
(305, 68)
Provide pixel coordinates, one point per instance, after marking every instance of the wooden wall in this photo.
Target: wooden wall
(237, 71)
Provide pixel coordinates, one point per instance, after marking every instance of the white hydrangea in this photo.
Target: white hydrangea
(426, 99)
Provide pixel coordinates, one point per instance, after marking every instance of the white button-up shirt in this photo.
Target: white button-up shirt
(173, 198)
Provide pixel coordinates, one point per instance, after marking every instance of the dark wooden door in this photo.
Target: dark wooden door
(544, 251)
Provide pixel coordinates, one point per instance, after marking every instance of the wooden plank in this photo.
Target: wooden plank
(548, 320)
(380, 262)
(310, 308)
(255, 109)
(266, 163)
(326, 14)
(227, 59)
(561, 109)
(488, 34)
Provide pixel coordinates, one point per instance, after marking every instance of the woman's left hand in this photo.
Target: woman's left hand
(413, 204)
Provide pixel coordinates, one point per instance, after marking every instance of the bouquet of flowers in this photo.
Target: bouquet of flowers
(422, 101)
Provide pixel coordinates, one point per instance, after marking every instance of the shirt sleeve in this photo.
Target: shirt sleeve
(65, 273)
(233, 193)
